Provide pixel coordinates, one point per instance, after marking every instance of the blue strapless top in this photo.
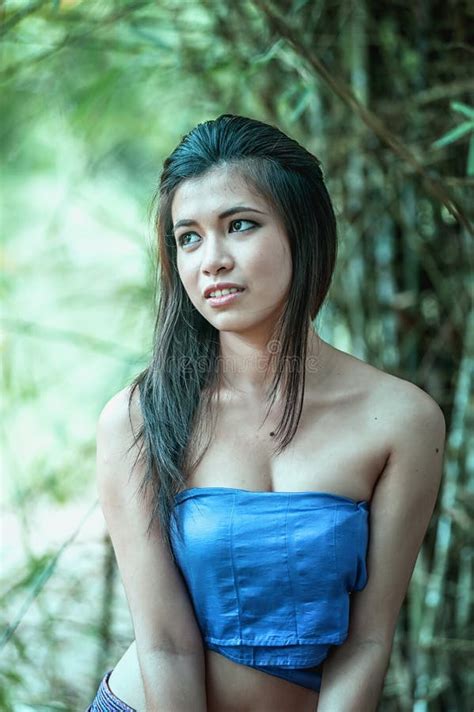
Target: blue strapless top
(269, 574)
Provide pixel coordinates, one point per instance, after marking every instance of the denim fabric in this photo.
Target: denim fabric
(106, 701)
(270, 573)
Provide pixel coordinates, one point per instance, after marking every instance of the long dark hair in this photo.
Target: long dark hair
(179, 387)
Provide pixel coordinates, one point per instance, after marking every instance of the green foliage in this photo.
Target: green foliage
(467, 127)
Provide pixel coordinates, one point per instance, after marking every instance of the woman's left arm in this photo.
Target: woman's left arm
(400, 511)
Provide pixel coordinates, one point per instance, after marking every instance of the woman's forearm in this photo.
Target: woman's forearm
(353, 677)
(174, 682)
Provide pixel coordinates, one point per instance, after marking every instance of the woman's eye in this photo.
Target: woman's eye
(181, 238)
(242, 221)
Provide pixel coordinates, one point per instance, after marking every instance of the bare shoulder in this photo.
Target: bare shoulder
(119, 409)
(414, 428)
(393, 401)
(117, 427)
(406, 406)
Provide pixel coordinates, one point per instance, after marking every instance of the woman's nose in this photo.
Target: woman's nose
(215, 255)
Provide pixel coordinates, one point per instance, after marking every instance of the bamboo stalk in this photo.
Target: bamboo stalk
(435, 591)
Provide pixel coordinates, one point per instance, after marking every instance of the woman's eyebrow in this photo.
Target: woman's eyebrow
(225, 214)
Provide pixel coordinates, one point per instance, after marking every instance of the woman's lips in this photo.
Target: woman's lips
(224, 300)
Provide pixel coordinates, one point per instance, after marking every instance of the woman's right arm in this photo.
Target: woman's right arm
(169, 643)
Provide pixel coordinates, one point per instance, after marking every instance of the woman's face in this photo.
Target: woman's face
(248, 247)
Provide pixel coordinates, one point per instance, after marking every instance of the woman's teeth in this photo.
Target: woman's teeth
(225, 291)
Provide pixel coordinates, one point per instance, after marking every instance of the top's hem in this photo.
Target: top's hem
(291, 662)
(277, 642)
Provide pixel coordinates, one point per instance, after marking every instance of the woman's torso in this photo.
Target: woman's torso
(341, 447)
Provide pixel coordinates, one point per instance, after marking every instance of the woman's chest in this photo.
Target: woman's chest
(334, 449)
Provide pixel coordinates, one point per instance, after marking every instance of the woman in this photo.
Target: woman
(258, 484)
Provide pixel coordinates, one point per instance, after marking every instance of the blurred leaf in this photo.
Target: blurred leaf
(463, 109)
(454, 134)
